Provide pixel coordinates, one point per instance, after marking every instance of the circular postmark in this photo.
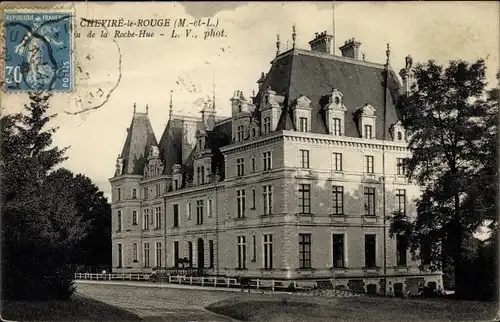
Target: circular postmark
(98, 67)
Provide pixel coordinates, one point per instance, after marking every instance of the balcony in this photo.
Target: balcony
(370, 177)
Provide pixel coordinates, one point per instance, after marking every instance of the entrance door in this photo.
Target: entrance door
(201, 253)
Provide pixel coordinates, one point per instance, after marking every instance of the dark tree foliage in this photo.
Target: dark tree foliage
(93, 252)
(451, 121)
(40, 224)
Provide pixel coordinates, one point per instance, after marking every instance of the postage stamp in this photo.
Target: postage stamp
(37, 51)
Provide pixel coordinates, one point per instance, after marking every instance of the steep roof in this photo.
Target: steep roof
(313, 74)
(171, 145)
(140, 137)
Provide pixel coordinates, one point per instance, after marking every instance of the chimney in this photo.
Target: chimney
(350, 48)
(322, 43)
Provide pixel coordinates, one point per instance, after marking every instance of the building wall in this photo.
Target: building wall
(285, 223)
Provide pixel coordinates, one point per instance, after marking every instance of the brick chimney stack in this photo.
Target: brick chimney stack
(350, 48)
(322, 43)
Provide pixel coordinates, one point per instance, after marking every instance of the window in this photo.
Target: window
(369, 163)
(188, 210)
(336, 127)
(119, 219)
(211, 251)
(176, 215)
(145, 222)
(210, 211)
(267, 125)
(241, 252)
(401, 246)
(198, 175)
(401, 200)
(370, 257)
(158, 190)
(369, 201)
(425, 253)
(120, 255)
(146, 255)
(304, 159)
(240, 199)
(304, 198)
(202, 175)
(338, 250)
(254, 248)
(241, 131)
(338, 200)
(199, 212)
(158, 217)
(253, 132)
(268, 251)
(253, 164)
(400, 136)
(134, 217)
(145, 191)
(368, 132)
(134, 252)
(176, 184)
(190, 254)
(176, 253)
(158, 254)
(253, 198)
(134, 193)
(303, 124)
(304, 251)
(401, 166)
(266, 156)
(240, 166)
(337, 161)
(119, 194)
(268, 199)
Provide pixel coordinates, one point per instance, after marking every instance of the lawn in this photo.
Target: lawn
(292, 308)
(78, 308)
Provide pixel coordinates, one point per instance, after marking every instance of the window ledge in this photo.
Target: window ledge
(241, 269)
(267, 269)
(310, 269)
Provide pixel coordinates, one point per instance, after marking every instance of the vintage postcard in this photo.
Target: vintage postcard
(321, 159)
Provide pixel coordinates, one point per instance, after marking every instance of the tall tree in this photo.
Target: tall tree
(446, 117)
(39, 223)
(94, 250)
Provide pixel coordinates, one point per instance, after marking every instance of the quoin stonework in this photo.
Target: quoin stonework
(297, 184)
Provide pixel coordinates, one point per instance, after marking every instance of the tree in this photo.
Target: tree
(39, 223)
(94, 250)
(446, 117)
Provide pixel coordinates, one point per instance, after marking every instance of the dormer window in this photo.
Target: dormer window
(239, 108)
(301, 110)
(253, 132)
(397, 131)
(367, 132)
(366, 118)
(241, 133)
(267, 125)
(303, 124)
(335, 113)
(336, 126)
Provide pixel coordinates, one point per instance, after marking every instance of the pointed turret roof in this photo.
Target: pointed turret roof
(140, 137)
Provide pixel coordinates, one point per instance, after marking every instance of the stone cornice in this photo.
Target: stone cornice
(156, 178)
(343, 141)
(125, 176)
(253, 142)
(193, 190)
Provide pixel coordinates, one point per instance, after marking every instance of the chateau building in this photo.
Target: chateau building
(297, 184)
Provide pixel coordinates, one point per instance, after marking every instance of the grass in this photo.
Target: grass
(293, 308)
(78, 308)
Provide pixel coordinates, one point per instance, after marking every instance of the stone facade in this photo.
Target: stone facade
(290, 202)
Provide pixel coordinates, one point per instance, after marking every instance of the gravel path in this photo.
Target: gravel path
(158, 304)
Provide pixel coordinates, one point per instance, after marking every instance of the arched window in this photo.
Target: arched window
(400, 135)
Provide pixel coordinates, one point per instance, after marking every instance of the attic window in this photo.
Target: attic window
(400, 135)
(239, 108)
(253, 132)
(337, 100)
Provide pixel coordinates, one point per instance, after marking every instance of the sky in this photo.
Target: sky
(115, 73)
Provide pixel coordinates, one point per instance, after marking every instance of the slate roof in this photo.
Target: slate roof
(314, 75)
(140, 137)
